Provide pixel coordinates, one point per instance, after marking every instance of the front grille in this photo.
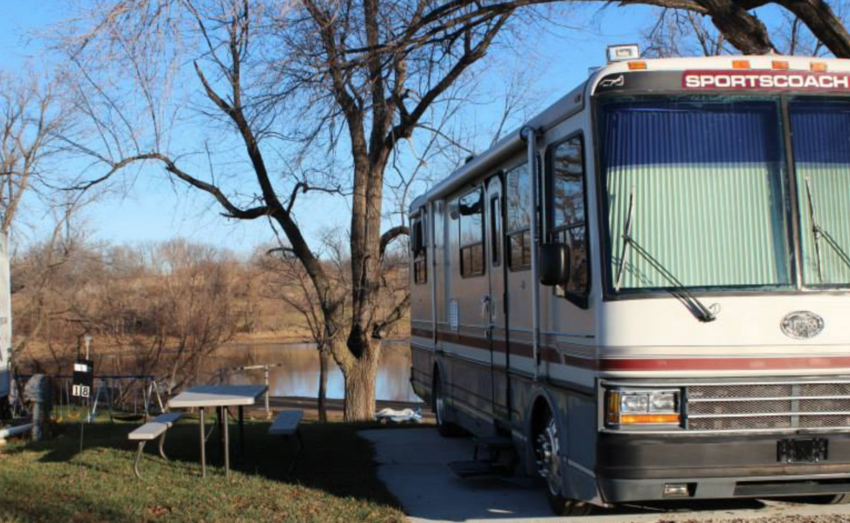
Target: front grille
(784, 405)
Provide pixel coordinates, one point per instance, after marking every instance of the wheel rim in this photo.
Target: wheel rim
(548, 452)
(440, 405)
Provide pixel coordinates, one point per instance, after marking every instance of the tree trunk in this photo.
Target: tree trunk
(324, 363)
(360, 380)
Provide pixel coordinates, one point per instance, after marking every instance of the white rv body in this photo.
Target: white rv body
(763, 369)
(5, 316)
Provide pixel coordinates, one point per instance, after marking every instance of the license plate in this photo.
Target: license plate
(802, 450)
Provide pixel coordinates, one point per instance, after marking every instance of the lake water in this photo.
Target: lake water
(298, 374)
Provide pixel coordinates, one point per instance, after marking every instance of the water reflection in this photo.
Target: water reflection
(298, 374)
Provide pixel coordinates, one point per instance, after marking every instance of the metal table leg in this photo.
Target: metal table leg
(226, 444)
(220, 433)
(138, 459)
(241, 431)
(203, 444)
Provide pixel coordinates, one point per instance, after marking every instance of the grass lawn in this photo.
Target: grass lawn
(334, 480)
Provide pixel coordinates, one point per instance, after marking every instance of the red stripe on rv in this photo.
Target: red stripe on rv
(723, 364)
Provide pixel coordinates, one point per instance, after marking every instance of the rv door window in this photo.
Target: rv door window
(518, 199)
(567, 211)
(471, 218)
(496, 230)
(420, 254)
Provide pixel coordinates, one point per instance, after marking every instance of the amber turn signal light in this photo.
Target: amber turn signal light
(652, 419)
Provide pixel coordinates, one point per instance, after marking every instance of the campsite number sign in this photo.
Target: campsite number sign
(83, 378)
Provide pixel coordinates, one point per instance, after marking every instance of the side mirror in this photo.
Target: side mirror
(554, 264)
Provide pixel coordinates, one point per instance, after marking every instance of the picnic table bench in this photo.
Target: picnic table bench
(156, 428)
(286, 424)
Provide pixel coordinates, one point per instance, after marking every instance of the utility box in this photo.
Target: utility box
(5, 317)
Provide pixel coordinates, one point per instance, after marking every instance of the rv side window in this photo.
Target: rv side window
(496, 230)
(471, 218)
(420, 253)
(567, 211)
(518, 199)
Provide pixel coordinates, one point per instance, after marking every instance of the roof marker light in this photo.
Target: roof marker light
(637, 66)
(740, 64)
(621, 53)
(780, 64)
(819, 67)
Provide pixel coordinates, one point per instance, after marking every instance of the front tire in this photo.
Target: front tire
(446, 429)
(836, 499)
(547, 450)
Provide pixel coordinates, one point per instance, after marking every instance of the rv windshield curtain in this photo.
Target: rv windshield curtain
(821, 137)
(708, 184)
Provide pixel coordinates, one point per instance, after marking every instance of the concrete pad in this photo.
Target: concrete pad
(413, 463)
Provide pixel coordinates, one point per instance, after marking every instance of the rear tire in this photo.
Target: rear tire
(547, 450)
(446, 429)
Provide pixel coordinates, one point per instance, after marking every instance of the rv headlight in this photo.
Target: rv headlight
(647, 407)
(662, 401)
(634, 402)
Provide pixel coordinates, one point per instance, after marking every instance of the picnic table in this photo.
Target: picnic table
(221, 397)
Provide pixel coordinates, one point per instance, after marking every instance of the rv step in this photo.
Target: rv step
(477, 469)
(495, 442)
(494, 445)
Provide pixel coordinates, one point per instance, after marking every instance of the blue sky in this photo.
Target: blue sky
(157, 210)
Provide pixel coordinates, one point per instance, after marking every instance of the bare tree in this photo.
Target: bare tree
(33, 116)
(365, 76)
(681, 32)
(746, 32)
(44, 279)
(286, 280)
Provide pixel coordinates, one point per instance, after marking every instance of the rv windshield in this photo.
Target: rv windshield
(708, 179)
(822, 169)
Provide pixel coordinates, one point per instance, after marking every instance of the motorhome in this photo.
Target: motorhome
(645, 290)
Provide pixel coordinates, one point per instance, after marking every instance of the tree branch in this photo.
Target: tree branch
(391, 235)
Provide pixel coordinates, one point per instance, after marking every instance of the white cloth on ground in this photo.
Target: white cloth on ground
(400, 416)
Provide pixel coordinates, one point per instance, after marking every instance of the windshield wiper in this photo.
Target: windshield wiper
(819, 232)
(679, 290)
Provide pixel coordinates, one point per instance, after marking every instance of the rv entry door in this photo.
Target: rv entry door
(497, 331)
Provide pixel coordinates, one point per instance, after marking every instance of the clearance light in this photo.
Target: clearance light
(819, 67)
(621, 53)
(636, 66)
(780, 64)
(642, 407)
(740, 64)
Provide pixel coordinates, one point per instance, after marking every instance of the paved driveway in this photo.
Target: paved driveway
(413, 464)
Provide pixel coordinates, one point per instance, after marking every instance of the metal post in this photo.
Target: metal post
(203, 445)
(266, 381)
(220, 432)
(226, 445)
